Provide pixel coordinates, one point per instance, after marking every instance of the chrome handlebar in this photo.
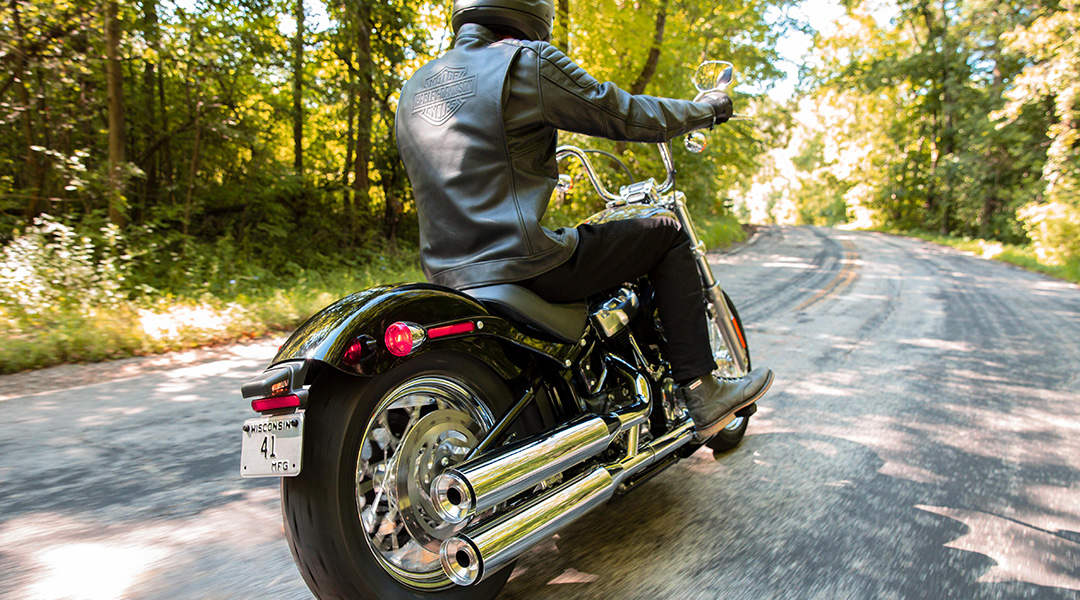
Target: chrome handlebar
(564, 151)
(665, 154)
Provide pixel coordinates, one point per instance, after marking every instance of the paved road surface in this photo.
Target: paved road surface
(922, 440)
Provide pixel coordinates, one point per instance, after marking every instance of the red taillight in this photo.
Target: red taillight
(454, 329)
(357, 351)
(265, 404)
(402, 338)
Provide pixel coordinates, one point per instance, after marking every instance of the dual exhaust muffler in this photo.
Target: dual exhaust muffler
(473, 488)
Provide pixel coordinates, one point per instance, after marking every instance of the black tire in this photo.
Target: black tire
(320, 506)
(731, 436)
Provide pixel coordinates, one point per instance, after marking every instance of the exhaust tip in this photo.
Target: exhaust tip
(452, 498)
(460, 561)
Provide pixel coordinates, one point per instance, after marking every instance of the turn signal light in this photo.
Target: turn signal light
(401, 338)
(265, 404)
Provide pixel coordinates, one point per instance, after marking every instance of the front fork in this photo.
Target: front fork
(713, 292)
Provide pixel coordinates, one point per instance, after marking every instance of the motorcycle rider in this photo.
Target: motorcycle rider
(476, 129)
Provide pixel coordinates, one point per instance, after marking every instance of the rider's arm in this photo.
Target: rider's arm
(572, 100)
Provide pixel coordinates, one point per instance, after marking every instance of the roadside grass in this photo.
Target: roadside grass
(1021, 256)
(166, 323)
(718, 230)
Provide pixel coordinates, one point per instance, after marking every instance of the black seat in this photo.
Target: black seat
(563, 322)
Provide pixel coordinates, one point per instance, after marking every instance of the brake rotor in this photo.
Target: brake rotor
(438, 441)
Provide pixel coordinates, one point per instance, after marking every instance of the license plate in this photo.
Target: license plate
(272, 445)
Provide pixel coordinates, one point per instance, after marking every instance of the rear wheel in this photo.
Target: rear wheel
(358, 517)
(730, 436)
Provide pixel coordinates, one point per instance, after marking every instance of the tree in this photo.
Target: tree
(1050, 81)
(298, 89)
(920, 92)
(115, 81)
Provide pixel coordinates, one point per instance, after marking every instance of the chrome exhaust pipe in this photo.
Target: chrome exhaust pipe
(468, 558)
(487, 481)
(474, 554)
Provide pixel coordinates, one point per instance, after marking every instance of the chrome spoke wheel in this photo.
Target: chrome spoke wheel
(420, 429)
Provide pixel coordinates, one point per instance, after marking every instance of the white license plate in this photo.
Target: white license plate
(271, 446)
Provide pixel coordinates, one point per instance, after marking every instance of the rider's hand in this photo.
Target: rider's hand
(723, 109)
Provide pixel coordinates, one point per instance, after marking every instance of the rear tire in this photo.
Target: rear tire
(731, 436)
(348, 539)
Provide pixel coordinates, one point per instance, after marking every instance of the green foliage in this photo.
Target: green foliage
(65, 297)
(216, 221)
(719, 230)
(1051, 77)
(908, 110)
(53, 267)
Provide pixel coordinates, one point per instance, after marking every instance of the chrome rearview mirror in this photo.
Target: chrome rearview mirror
(713, 75)
(695, 142)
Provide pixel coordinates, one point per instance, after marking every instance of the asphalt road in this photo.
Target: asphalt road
(922, 440)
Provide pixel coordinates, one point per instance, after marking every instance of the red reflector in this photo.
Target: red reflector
(738, 330)
(355, 353)
(401, 338)
(265, 404)
(454, 329)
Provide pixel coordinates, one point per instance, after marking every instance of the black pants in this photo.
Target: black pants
(610, 254)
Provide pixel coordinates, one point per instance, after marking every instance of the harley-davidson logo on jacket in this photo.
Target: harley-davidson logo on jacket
(443, 94)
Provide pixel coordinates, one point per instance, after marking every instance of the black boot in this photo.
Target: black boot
(712, 400)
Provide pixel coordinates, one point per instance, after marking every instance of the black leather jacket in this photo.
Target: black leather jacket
(476, 129)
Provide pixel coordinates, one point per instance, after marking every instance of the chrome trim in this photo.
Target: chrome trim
(491, 479)
(610, 322)
(669, 166)
(499, 541)
(563, 151)
(614, 315)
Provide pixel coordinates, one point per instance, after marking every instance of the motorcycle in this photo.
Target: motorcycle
(427, 437)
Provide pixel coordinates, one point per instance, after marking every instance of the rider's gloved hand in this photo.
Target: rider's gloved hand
(723, 109)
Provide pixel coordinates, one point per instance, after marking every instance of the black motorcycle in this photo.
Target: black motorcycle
(426, 437)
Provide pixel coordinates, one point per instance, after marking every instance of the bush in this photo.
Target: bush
(66, 296)
(50, 267)
(1055, 230)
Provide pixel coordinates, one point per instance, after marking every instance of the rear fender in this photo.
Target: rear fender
(361, 320)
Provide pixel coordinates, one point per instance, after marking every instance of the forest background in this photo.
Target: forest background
(178, 172)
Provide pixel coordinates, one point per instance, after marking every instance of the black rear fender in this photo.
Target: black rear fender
(349, 334)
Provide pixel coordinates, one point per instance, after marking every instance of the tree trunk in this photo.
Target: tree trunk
(33, 165)
(194, 166)
(298, 89)
(350, 146)
(115, 83)
(151, 165)
(364, 100)
(653, 58)
(167, 168)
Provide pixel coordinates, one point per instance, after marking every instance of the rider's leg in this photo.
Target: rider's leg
(610, 254)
